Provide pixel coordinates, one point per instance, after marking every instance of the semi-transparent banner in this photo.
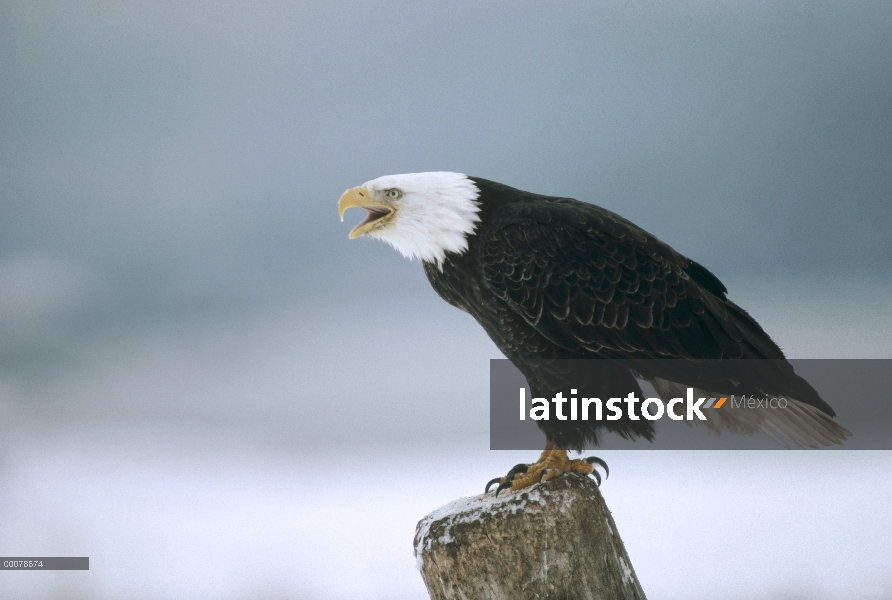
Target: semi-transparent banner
(692, 405)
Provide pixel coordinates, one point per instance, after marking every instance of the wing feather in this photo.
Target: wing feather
(601, 282)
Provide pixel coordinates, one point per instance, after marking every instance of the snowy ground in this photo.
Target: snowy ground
(162, 516)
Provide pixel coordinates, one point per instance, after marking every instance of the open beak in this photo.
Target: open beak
(378, 212)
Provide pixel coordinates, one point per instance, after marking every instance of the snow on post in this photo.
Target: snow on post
(552, 540)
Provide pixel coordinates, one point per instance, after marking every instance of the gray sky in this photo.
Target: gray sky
(176, 290)
(164, 158)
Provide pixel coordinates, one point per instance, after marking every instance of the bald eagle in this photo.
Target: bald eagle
(555, 278)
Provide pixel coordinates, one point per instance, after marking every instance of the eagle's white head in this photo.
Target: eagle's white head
(423, 215)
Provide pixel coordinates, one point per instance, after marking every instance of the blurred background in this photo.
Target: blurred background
(210, 391)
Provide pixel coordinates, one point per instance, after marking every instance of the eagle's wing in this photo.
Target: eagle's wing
(597, 285)
(587, 279)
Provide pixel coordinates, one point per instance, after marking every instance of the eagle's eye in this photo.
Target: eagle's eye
(393, 194)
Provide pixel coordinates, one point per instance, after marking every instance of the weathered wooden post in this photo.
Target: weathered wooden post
(553, 540)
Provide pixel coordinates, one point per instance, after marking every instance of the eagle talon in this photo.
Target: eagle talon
(542, 474)
(594, 459)
(502, 486)
(492, 481)
(597, 477)
(506, 481)
(517, 469)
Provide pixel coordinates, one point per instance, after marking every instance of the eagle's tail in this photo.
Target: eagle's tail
(799, 424)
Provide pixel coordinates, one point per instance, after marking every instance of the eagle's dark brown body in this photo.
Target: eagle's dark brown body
(554, 278)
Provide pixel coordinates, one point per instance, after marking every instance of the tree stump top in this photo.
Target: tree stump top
(553, 540)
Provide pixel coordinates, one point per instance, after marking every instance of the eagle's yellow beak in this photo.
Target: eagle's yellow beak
(379, 212)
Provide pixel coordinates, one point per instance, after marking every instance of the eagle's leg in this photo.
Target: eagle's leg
(551, 463)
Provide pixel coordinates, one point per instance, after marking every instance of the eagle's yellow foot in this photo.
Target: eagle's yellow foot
(552, 463)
